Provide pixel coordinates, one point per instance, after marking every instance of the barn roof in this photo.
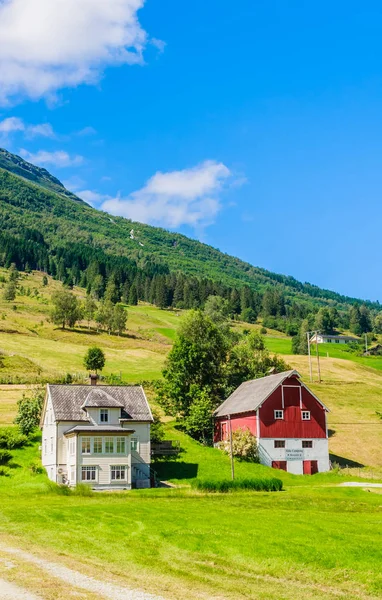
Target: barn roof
(251, 394)
(69, 401)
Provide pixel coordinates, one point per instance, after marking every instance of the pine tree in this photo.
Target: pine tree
(133, 296)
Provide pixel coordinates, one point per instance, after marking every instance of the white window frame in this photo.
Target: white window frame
(305, 415)
(135, 442)
(94, 445)
(279, 415)
(118, 468)
(120, 440)
(72, 446)
(89, 469)
(86, 440)
(109, 439)
(104, 412)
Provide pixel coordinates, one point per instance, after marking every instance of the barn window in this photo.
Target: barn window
(279, 414)
(306, 415)
(279, 443)
(307, 444)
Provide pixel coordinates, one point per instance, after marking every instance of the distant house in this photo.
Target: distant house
(288, 420)
(324, 338)
(97, 435)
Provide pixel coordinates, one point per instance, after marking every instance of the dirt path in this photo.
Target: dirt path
(102, 589)
(360, 484)
(9, 591)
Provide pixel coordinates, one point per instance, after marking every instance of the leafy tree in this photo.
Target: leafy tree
(94, 359)
(29, 411)
(156, 428)
(13, 273)
(199, 421)
(249, 315)
(9, 293)
(66, 309)
(112, 293)
(196, 359)
(89, 309)
(217, 309)
(119, 319)
(244, 445)
(378, 323)
(300, 341)
(324, 321)
(365, 319)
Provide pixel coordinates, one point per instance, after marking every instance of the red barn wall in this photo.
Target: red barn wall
(247, 421)
(292, 426)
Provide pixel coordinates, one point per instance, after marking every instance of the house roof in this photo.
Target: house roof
(336, 337)
(99, 397)
(98, 428)
(251, 394)
(68, 401)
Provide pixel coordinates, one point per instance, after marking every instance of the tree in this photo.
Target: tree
(365, 319)
(133, 296)
(94, 359)
(217, 309)
(300, 341)
(199, 421)
(244, 445)
(89, 309)
(196, 359)
(156, 428)
(29, 411)
(66, 309)
(45, 281)
(112, 293)
(378, 323)
(119, 318)
(355, 320)
(13, 273)
(9, 293)
(248, 315)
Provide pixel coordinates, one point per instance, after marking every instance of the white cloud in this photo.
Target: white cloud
(50, 44)
(11, 124)
(60, 158)
(92, 198)
(187, 197)
(14, 124)
(86, 131)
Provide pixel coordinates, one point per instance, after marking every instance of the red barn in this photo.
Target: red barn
(288, 420)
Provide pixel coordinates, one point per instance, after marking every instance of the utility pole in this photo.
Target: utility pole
(318, 359)
(310, 357)
(231, 448)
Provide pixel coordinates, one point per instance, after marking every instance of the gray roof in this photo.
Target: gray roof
(68, 401)
(99, 397)
(251, 394)
(98, 428)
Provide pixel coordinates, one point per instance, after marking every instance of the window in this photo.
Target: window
(118, 473)
(97, 445)
(307, 444)
(135, 444)
(279, 443)
(328, 341)
(279, 414)
(306, 415)
(104, 415)
(72, 446)
(337, 341)
(89, 473)
(109, 445)
(51, 445)
(120, 445)
(85, 445)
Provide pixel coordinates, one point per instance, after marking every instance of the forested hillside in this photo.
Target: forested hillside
(44, 227)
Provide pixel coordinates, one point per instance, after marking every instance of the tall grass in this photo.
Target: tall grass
(226, 485)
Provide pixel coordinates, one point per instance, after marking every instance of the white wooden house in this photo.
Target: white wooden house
(98, 435)
(324, 338)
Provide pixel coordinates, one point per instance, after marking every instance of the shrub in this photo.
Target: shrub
(226, 485)
(263, 330)
(36, 468)
(5, 457)
(4, 472)
(11, 438)
(29, 411)
(244, 445)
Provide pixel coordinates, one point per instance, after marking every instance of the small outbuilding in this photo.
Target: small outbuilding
(287, 418)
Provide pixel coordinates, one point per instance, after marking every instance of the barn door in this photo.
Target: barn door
(279, 464)
(310, 467)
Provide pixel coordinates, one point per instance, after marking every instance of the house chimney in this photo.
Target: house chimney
(93, 379)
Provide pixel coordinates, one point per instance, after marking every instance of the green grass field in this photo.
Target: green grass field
(314, 540)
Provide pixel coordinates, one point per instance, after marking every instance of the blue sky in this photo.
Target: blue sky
(253, 126)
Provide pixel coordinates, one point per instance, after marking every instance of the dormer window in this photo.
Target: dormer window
(104, 415)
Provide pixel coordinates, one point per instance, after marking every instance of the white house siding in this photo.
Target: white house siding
(103, 464)
(319, 452)
(113, 416)
(49, 442)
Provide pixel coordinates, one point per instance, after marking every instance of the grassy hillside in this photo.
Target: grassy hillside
(34, 204)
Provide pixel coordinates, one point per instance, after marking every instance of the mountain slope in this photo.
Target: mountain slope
(35, 207)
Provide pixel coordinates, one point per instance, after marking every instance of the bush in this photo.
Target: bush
(29, 411)
(244, 445)
(11, 438)
(4, 472)
(5, 457)
(36, 468)
(263, 331)
(226, 485)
